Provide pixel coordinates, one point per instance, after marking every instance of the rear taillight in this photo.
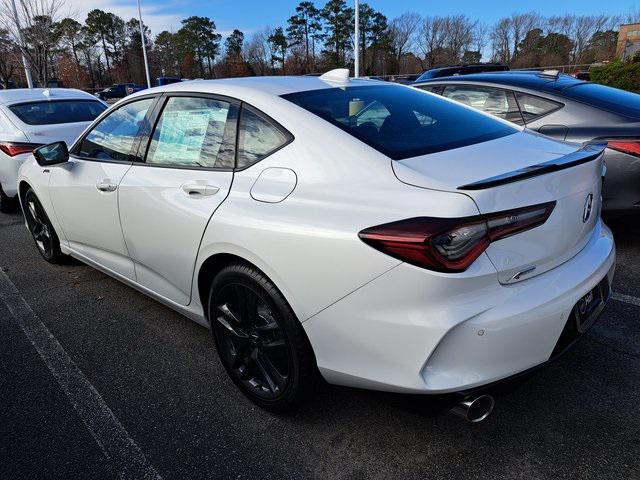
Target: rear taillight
(451, 244)
(631, 147)
(16, 148)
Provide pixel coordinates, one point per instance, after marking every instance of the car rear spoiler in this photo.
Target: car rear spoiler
(587, 153)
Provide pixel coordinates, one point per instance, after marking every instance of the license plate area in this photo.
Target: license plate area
(586, 308)
(577, 324)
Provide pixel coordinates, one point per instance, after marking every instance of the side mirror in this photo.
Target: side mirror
(52, 154)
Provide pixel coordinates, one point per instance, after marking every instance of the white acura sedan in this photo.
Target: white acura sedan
(384, 236)
(30, 118)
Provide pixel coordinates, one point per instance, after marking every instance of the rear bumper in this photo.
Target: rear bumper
(9, 167)
(415, 331)
(568, 338)
(621, 192)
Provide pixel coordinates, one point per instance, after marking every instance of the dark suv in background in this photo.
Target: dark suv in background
(119, 90)
(566, 108)
(461, 70)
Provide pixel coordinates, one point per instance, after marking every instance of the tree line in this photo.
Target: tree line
(105, 48)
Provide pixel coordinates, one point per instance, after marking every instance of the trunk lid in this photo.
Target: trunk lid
(575, 186)
(66, 132)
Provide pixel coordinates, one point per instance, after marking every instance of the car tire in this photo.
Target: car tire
(260, 342)
(42, 231)
(7, 204)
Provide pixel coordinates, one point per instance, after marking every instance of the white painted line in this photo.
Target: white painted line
(114, 441)
(626, 299)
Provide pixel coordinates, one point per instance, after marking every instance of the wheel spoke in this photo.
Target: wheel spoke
(241, 358)
(258, 359)
(254, 345)
(38, 231)
(275, 380)
(227, 314)
(270, 326)
(36, 212)
(226, 311)
(273, 344)
(32, 210)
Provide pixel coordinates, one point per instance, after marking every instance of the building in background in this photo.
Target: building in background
(628, 40)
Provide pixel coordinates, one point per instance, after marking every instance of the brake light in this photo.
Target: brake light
(631, 147)
(16, 148)
(451, 244)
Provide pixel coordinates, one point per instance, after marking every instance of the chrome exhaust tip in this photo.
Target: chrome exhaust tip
(475, 409)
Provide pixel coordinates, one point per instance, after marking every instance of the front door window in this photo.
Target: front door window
(114, 136)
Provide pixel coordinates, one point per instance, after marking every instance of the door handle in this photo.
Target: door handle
(199, 189)
(106, 186)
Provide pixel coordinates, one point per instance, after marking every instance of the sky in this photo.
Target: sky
(252, 15)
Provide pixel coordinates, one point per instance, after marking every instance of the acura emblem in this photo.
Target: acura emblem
(588, 206)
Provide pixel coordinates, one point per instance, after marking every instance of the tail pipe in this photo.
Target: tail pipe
(474, 409)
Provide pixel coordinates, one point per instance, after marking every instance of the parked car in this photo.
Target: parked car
(119, 90)
(563, 107)
(393, 240)
(30, 118)
(54, 83)
(160, 81)
(582, 75)
(9, 84)
(461, 70)
(403, 79)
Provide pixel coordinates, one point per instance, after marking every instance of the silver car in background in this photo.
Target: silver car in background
(565, 108)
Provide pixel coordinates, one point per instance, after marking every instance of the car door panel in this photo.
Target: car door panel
(166, 202)
(164, 216)
(89, 216)
(84, 190)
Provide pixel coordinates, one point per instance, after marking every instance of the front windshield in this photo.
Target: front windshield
(401, 122)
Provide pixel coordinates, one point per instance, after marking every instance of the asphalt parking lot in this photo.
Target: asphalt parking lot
(99, 381)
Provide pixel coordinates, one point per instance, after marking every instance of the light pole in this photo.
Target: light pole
(356, 41)
(144, 47)
(25, 62)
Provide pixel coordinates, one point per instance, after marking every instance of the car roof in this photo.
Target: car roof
(20, 95)
(277, 85)
(526, 79)
(466, 66)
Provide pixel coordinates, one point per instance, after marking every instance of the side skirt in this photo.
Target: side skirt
(192, 311)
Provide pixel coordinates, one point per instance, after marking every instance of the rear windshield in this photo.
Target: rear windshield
(400, 122)
(607, 98)
(438, 72)
(58, 111)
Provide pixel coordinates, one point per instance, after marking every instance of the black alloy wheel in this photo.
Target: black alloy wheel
(260, 342)
(41, 229)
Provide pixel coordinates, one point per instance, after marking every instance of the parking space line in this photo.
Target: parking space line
(621, 297)
(114, 441)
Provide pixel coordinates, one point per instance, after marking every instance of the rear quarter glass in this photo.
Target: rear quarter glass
(407, 122)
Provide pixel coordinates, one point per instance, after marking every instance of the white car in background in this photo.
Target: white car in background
(387, 237)
(30, 118)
